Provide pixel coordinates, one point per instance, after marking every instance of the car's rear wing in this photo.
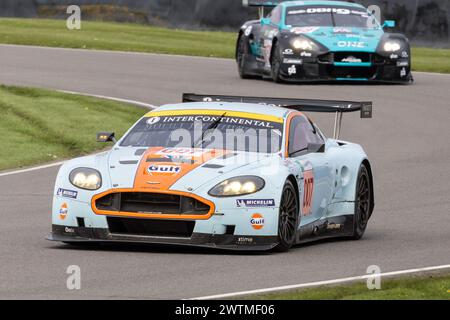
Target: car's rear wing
(337, 107)
(261, 4)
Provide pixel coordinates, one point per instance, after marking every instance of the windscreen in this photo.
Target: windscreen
(209, 129)
(327, 16)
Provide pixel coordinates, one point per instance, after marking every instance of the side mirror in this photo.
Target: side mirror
(316, 147)
(265, 21)
(106, 137)
(389, 24)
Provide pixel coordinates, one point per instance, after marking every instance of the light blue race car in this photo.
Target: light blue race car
(305, 41)
(206, 173)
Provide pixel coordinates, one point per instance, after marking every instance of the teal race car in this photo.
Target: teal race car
(321, 41)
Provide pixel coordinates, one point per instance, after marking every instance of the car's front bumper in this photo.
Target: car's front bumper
(325, 68)
(219, 241)
(228, 227)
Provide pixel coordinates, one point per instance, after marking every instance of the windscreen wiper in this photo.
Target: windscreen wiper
(212, 126)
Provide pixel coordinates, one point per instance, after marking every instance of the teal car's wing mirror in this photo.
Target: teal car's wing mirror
(265, 21)
(389, 24)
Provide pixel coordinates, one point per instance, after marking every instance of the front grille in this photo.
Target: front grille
(343, 56)
(351, 72)
(157, 203)
(150, 227)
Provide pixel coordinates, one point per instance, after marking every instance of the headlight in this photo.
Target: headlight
(237, 186)
(86, 178)
(303, 44)
(392, 46)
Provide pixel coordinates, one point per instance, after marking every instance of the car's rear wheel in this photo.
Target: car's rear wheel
(241, 58)
(363, 203)
(275, 63)
(288, 217)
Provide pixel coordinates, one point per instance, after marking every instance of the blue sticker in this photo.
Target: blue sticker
(67, 193)
(255, 203)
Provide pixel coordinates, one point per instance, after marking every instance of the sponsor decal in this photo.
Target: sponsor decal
(255, 203)
(304, 30)
(342, 30)
(351, 44)
(351, 59)
(153, 120)
(181, 152)
(69, 230)
(292, 70)
(394, 56)
(305, 54)
(164, 168)
(403, 72)
(63, 210)
(244, 240)
(334, 226)
(405, 54)
(67, 193)
(402, 63)
(288, 52)
(292, 61)
(328, 10)
(257, 221)
(212, 118)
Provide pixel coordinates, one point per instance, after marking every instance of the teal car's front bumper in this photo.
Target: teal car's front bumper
(329, 67)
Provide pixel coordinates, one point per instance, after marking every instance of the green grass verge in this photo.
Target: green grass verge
(116, 36)
(430, 287)
(38, 126)
(431, 60)
(144, 38)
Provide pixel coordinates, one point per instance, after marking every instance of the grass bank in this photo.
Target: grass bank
(38, 126)
(435, 287)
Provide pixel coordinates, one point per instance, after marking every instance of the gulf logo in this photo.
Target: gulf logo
(257, 221)
(63, 211)
(163, 168)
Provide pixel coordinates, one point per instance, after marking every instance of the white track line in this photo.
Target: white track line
(319, 283)
(50, 165)
(133, 102)
(45, 166)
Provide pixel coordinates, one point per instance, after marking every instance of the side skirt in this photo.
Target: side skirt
(333, 227)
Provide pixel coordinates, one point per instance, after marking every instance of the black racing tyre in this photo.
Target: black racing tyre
(240, 58)
(275, 63)
(288, 217)
(363, 202)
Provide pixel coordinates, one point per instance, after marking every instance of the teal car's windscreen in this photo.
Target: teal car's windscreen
(329, 17)
(207, 131)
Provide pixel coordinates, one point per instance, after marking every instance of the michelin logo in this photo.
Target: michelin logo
(242, 203)
(67, 193)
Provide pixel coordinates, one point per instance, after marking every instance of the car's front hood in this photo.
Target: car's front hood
(342, 38)
(162, 169)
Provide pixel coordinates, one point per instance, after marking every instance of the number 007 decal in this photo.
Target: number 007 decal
(308, 192)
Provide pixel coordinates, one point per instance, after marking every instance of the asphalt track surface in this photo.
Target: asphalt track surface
(407, 141)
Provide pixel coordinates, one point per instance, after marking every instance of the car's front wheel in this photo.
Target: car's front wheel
(363, 203)
(288, 217)
(275, 63)
(241, 57)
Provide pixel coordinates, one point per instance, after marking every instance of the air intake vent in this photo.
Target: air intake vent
(149, 227)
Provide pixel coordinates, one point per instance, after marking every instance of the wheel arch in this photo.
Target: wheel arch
(274, 41)
(240, 34)
(368, 166)
(294, 182)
